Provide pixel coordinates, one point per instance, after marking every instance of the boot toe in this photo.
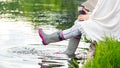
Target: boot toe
(42, 36)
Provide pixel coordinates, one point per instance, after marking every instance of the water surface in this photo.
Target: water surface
(20, 44)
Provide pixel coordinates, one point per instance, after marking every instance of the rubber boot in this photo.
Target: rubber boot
(72, 46)
(46, 39)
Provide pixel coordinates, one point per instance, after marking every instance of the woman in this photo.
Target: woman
(103, 21)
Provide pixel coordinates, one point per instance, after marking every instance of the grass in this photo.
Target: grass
(107, 55)
(73, 63)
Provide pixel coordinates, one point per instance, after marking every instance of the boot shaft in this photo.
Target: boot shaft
(46, 39)
(72, 46)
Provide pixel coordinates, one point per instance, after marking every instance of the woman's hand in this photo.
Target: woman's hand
(83, 17)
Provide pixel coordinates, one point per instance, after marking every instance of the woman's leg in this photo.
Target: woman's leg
(74, 31)
(73, 43)
(72, 46)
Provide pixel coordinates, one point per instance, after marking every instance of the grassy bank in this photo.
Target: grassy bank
(107, 55)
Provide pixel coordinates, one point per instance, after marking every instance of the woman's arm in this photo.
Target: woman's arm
(87, 7)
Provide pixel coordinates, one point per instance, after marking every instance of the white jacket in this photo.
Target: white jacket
(104, 21)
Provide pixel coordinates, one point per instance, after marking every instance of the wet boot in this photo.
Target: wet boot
(46, 39)
(72, 46)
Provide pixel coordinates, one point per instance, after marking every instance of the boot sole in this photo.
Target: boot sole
(42, 37)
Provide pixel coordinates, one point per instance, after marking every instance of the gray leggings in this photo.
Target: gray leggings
(74, 31)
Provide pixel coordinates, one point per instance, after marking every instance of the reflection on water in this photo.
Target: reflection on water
(60, 13)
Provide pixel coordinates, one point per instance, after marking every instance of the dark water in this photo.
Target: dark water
(20, 44)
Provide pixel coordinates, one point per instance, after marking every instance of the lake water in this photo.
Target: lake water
(20, 44)
(21, 47)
